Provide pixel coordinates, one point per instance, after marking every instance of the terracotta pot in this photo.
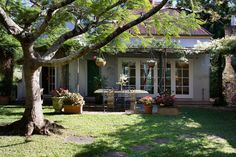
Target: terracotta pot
(73, 109)
(148, 109)
(4, 100)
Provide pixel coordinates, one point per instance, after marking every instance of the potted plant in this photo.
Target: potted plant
(57, 98)
(147, 102)
(166, 103)
(100, 82)
(123, 80)
(151, 63)
(166, 100)
(73, 103)
(100, 62)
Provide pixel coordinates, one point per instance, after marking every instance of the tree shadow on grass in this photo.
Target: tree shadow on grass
(214, 122)
(194, 142)
(9, 111)
(11, 145)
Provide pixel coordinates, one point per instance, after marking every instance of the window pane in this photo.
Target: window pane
(178, 90)
(168, 81)
(179, 72)
(185, 82)
(164, 77)
(179, 82)
(147, 77)
(185, 90)
(185, 73)
(128, 68)
(182, 78)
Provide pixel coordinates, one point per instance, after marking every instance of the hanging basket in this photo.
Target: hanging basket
(100, 62)
(151, 63)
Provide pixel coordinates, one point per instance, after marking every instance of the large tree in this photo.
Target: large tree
(93, 24)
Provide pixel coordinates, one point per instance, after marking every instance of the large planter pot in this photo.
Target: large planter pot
(73, 109)
(148, 109)
(57, 103)
(4, 100)
(168, 110)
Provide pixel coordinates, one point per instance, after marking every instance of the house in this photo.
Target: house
(187, 80)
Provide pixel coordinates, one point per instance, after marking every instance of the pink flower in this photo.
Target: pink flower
(94, 57)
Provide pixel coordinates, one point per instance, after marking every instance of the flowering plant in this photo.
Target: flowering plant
(122, 80)
(147, 100)
(99, 61)
(73, 99)
(59, 92)
(165, 99)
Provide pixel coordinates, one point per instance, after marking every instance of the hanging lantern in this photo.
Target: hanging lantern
(151, 63)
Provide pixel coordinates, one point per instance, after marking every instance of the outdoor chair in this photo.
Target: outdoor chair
(110, 100)
(132, 100)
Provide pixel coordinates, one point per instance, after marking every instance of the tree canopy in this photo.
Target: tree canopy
(84, 26)
(216, 14)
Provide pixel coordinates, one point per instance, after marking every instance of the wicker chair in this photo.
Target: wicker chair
(132, 100)
(110, 100)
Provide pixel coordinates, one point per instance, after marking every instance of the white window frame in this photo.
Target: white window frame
(138, 71)
(173, 83)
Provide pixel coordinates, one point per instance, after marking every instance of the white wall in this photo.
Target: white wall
(188, 42)
(110, 71)
(73, 76)
(201, 77)
(82, 77)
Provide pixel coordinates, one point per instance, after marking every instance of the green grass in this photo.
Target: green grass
(212, 134)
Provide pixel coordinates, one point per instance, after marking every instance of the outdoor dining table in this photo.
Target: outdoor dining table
(137, 91)
(119, 93)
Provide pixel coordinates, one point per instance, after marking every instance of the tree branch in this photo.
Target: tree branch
(77, 31)
(109, 38)
(9, 24)
(51, 10)
(68, 35)
(184, 9)
(64, 60)
(127, 26)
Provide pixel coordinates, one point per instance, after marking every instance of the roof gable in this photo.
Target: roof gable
(147, 30)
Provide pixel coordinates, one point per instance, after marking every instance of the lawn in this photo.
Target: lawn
(195, 132)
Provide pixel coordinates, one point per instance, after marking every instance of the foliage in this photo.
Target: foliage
(146, 100)
(73, 99)
(59, 92)
(100, 81)
(215, 13)
(165, 99)
(226, 45)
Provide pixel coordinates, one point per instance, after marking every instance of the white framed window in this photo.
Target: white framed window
(129, 69)
(146, 77)
(176, 77)
(164, 77)
(183, 79)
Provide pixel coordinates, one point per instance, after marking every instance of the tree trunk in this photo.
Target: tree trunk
(33, 120)
(33, 113)
(229, 80)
